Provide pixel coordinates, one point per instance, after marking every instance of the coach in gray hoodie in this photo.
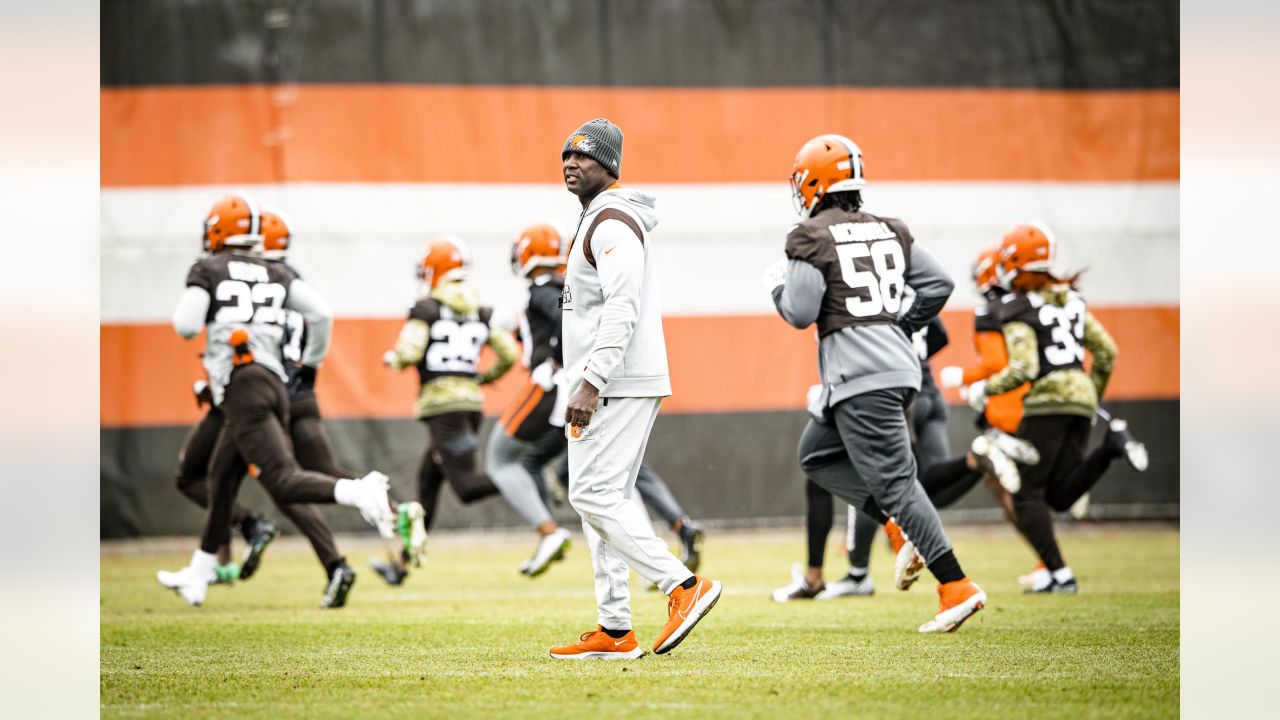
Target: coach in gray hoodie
(615, 361)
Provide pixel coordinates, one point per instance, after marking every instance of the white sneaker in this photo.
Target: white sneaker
(369, 496)
(1080, 508)
(997, 463)
(191, 582)
(797, 589)
(907, 566)
(1018, 450)
(847, 587)
(550, 549)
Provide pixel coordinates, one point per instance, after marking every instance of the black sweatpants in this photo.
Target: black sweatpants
(451, 458)
(1062, 476)
(256, 407)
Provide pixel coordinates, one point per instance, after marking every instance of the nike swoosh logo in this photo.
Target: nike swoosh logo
(615, 247)
(619, 642)
(694, 603)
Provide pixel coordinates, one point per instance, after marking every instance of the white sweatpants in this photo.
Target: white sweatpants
(604, 459)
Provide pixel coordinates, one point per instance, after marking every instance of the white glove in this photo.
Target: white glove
(978, 395)
(775, 275)
(389, 359)
(951, 376)
(543, 376)
(811, 397)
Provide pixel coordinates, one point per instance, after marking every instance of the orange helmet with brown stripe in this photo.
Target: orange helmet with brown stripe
(1028, 247)
(986, 270)
(826, 164)
(275, 235)
(447, 259)
(538, 246)
(233, 221)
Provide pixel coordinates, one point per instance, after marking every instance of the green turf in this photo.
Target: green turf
(467, 637)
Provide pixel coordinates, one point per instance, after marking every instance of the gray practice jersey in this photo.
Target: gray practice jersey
(847, 272)
(230, 290)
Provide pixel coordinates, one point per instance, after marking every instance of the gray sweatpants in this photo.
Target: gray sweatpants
(504, 461)
(878, 472)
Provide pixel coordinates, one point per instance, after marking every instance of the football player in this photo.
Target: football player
(847, 271)
(442, 339)
(1047, 328)
(240, 298)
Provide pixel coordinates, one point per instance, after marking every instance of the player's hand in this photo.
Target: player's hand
(978, 395)
(543, 376)
(951, 376)
(204, 393)
(303, 382)
(775, 275)
(582, 405)
(389, 359)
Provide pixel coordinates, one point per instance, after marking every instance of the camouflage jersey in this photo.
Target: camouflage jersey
(1047, 332)
(443, 338)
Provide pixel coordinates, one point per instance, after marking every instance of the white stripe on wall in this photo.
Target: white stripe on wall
(357, 243)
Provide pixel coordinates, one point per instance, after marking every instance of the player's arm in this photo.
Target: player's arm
(317, 315)
(1024, 359)
(932, 286)
(1099, 342)
(993, 355)
(504, 346)
(188, 316)
(798, 297)
(410, 346)
(936, 338)
(620, 263)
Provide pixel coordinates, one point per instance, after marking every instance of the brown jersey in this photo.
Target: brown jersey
(863, 258)
(454, 339)
(986, 318)
(1059, 329)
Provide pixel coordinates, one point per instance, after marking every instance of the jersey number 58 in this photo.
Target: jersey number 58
(883, 283)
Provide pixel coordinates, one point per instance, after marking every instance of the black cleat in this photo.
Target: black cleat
(1070, 587)
(258, 534)
(1121, 442)
(691, 537)
(389, 572)
(340, 582)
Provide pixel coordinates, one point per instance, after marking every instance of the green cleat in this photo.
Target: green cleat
(412, 530)
(226, 574)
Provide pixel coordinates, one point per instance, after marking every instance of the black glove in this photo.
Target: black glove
(303, 381)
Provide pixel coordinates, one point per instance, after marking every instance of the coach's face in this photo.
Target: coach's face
(583, 176)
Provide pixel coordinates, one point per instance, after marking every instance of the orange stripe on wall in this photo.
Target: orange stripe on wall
(395, 133)
(718, 364)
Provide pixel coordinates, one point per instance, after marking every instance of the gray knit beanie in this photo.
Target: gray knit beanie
(599, 140)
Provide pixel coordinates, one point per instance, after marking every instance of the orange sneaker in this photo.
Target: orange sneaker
(957, 602)
(684, 610)
(908, 563)
(597, 645)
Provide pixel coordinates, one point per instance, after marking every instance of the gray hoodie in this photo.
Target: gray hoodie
(612, 314)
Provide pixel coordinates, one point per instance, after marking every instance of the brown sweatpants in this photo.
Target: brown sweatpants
(257, 412)
(192, 475)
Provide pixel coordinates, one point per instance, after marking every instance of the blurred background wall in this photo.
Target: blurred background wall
(376, 124)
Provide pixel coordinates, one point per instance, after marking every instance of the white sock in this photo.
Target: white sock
(1063, 574)
(857, 571)
(204, 562)
(345, 492)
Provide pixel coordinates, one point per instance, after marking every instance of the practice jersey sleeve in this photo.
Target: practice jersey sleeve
(504, 347)
(932, 286)
(620, 259)
(1024, 359)
(799, 299)
(992, 356)
(304, 300)
(189, 315)
(936, 338)
(1098, 341)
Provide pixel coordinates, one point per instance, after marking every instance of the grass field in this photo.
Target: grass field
(467, 637)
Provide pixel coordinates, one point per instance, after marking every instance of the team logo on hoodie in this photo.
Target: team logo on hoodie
(582, 143)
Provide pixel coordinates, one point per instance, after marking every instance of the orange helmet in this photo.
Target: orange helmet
(826, 164)
(538, 246)
(447, 259)
(1028, 247)
(233, 221)
(275, 235)
(986, 270)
